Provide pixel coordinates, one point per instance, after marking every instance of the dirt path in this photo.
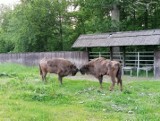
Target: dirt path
(107, 78)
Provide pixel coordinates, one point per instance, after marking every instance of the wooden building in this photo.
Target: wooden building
(124, 39)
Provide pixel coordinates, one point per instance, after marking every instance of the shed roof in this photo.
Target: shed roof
(128, 38)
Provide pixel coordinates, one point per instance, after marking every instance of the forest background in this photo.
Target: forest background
(54, 25)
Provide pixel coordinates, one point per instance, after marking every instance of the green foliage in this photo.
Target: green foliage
(48, 25)
(138, 15)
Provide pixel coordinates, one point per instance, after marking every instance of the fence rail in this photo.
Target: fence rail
(133, 60)
(31, 59)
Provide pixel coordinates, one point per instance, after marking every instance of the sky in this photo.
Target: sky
(9, 2)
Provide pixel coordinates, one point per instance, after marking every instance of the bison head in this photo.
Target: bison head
(74, 70)
(83, 69)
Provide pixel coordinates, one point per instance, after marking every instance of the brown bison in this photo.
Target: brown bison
(59, 66)
(100, 66)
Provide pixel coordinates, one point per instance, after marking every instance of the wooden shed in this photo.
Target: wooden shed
(129, 38)
(123, 39)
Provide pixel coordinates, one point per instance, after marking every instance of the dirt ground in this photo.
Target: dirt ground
(107, 78)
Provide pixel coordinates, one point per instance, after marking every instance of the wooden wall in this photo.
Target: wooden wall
(32, 59)
(157, 64)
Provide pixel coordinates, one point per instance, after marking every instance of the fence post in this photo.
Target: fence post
(111, 53)
(99, 54)
(138, 64)
(156, 64)
(124, 56)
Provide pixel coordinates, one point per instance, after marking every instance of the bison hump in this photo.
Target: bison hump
(51, 63)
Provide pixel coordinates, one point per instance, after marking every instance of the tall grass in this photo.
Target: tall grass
(24, 97)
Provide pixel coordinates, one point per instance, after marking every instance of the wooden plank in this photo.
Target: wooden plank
(31, 59)
(157, 64)
(111, 53)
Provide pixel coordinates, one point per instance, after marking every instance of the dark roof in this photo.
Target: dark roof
(128, 38)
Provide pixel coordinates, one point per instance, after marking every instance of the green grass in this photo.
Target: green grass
(24, 97)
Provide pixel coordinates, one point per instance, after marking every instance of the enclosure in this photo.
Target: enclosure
(135, 60)
(25, 97)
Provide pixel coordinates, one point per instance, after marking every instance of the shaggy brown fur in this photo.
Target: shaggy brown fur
(100, 66)
(59, 66)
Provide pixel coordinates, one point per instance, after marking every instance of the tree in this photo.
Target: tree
(38, 25)
(49, 25)
(5, 13)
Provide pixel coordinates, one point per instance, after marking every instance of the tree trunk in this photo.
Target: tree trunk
(60, 31)
(146, 19)
(115, 15)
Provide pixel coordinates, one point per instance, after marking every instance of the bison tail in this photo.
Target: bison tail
(119, 74)
(40, 70)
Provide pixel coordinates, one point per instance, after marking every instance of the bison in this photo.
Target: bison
(99, 67)
(59, 66)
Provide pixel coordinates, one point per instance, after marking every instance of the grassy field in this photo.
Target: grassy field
(24, 97)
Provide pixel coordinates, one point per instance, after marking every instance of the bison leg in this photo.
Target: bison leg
(100, 78)
(60, 79)
(120, 81)
(44, 76)
(113, 82)
(42, 73)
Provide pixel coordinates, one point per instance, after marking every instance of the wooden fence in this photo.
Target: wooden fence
(132, 61)
(32, 59)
